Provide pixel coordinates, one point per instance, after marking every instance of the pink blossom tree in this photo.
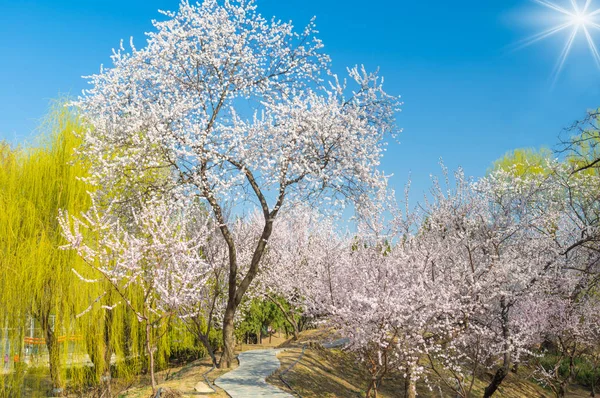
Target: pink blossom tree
(155, 249)
(234, 107)
(572, 326)
(299, 265)
(440, 298)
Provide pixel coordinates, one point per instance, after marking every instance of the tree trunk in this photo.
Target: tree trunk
(412, 389)
(410, 386)
(150, 352)
(260, 336)
(211, 351)
(564, 385)
(562, 389)
(289, 317)
(235, 292)
(54, 361)
(495, 383)
(228, 339)
(593, 392)
(372, 390)
(53, 354)
(106, 376)
(503, 371)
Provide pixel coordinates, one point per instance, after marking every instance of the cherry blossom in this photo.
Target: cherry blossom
(240, 112)
(156, 249)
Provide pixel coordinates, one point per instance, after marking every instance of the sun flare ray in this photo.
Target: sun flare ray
(580, 16)
(553, 6)
(592, 46)
(540, 36)
(565, 53)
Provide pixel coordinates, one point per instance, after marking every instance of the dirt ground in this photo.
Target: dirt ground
(182, 380)
(185, 379)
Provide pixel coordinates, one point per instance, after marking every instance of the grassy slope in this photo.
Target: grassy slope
(334, 373)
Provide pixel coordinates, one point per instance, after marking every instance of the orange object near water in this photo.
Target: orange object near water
(42, 341)
(34, 340)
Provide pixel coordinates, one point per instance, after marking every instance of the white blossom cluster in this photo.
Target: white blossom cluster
(236, 108)
(159, 248)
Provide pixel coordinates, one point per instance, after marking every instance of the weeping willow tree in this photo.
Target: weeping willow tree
(524, 161)
(37, 285)
(12, 310)
(44, 300)
(40, 297)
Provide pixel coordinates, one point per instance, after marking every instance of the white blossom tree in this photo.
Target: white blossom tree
(439, 299)
(303, 254)
(235, 107)
(156, 250)
(572, 326)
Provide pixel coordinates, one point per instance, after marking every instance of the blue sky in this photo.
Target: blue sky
(466, 98)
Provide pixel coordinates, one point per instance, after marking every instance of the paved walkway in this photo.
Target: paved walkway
(337, 343)
(248, 380)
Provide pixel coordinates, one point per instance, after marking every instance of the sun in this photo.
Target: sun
(575, 20)
(580, 19)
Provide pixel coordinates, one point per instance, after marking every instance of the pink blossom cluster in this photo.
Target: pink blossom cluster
(474, 280)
